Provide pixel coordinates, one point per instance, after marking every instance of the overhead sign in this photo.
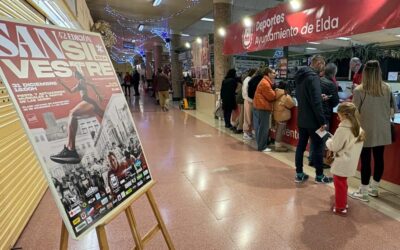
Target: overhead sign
(317, 20)
(70, 102)
(128, 45)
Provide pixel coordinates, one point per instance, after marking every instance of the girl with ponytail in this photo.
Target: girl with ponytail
(346, 146)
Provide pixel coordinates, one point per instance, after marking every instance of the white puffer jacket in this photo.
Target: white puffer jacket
(347, 150)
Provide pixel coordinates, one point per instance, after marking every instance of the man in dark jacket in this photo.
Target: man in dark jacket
(330, 99)
(310, 118)
(163, 86)
(136, 81)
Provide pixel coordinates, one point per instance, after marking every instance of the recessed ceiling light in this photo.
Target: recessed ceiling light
(247, 22)
(222, 31)
(156, 2)
(185, 35)
(198, 40)
(311, 48)
(314, 43)
(207, 19)
(140, 27)
(296, 4)
(187, 45)
(343, 38)
(397, 35)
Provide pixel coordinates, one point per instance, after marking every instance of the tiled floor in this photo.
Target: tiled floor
(216, 192)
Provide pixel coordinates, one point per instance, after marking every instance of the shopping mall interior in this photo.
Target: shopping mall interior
(115, 134)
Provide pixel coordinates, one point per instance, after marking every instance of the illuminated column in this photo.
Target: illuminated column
(157, 53)
(222, 18)
(176, 67)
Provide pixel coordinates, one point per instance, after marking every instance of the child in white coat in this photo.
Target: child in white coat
(346, 146)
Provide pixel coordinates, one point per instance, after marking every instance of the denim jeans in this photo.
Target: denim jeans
(255, 120)
(304, 135)
(261, 126)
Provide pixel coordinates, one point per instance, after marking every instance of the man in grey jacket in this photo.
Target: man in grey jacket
(310, 118)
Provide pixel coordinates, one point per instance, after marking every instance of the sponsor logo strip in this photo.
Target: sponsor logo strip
(81, 226)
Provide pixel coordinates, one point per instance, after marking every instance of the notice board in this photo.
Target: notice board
(74, 112)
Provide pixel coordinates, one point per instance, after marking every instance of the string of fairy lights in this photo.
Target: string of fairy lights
(131, 25)
(114, 13)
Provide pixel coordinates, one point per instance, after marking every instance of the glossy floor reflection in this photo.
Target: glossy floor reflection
(216, 192)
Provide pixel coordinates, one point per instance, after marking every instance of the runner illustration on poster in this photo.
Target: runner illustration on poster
(86, 107)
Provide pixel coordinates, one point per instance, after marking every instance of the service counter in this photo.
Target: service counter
(392, 152)
(205, 103)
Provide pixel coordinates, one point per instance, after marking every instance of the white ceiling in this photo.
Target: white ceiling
(240, 9)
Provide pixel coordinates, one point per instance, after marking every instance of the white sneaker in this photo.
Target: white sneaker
(359, 195)
(267, 150)
(373, 191)
(246, 136)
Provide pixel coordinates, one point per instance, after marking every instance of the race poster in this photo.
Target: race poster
(66, 92)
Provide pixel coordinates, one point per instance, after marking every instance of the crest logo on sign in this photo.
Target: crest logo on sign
(247, 37)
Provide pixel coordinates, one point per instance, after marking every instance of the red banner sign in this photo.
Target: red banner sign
(317, 20)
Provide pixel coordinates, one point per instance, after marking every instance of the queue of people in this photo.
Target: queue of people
(363, 132)
(160, 83)
(128, 81)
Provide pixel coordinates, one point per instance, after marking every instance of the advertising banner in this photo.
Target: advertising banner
(316, 20)
(201, 65)
(65, 90)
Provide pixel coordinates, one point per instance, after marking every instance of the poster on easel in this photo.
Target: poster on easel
(74, 112)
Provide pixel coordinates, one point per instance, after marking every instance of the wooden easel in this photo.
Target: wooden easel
(126, 206)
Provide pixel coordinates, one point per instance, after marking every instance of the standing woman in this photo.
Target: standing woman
(228, 88)
(373, 99)
(263, 103)
(248, 107)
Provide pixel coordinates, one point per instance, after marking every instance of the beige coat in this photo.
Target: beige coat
(347, 150)
(374, 116)
(282, 106)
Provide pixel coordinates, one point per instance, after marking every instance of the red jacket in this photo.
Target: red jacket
(357, 78)
(265, 95)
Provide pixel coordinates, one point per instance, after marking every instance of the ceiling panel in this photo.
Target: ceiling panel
(140, 11)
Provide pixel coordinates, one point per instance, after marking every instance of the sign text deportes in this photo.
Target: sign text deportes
(49, 54)
(270, 22)
(320, 25)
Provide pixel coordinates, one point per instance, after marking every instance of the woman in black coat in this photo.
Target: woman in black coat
(228, 89)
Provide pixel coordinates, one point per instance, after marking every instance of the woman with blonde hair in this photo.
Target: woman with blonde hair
(373, 98)
(346, 146)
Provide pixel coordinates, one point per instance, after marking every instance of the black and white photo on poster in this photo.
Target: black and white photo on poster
(111, 162)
